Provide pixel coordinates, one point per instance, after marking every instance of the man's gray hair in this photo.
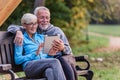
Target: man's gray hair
(40, 8)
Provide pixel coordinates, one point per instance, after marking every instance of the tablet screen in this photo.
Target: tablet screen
(48, 41)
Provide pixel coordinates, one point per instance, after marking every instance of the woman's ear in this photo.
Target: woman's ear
(24, 26)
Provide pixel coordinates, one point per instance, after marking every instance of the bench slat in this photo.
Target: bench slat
(8, 53)
(4, 59)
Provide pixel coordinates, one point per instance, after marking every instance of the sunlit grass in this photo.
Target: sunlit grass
(105, 29)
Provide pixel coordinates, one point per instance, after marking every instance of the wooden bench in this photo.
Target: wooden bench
(7, 64)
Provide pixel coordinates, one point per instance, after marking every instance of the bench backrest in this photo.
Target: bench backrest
(7, 50)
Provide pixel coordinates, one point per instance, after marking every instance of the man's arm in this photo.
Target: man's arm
(15, 29)
(67, 48)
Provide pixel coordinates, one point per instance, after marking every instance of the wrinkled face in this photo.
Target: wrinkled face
(31, 28)
(43, 19)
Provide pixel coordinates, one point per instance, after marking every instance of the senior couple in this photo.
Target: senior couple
(29, 41)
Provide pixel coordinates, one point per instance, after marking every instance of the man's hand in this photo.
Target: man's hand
(18, 38)
(59, 45)
(53, 51)
(39, 48)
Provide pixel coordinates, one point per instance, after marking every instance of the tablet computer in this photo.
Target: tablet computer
(48, 41)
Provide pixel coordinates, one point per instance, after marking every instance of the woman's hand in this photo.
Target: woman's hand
(39, 48)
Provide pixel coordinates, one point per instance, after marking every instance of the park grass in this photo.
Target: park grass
(108, 69)
(94, 42)
(113, 30)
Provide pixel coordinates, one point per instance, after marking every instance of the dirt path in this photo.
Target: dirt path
(114, 42)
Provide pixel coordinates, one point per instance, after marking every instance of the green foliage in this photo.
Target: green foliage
(82, 11)
(60, 14)
(99, 10)
(115, 10)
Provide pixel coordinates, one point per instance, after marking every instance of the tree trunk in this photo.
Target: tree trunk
(39, 3)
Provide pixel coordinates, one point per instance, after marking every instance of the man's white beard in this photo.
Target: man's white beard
(43, 27)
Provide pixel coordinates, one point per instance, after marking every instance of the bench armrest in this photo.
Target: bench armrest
(82, 59)
(5, 67)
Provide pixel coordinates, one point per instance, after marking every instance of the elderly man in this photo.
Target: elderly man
(44, 27)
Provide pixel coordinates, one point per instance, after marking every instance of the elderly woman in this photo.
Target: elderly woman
(35, 63)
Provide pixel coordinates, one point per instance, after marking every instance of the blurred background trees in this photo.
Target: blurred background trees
(73, 16)
(115, 10)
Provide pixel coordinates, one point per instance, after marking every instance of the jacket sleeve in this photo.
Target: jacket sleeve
(67, 49)
(14, 28)
(20, 58)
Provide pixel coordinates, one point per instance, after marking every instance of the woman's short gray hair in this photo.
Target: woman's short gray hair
(37, 9)
(28, 18)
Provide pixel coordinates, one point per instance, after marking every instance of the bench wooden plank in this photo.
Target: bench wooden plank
(3, 56)
(8, 53)
(0, 55)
